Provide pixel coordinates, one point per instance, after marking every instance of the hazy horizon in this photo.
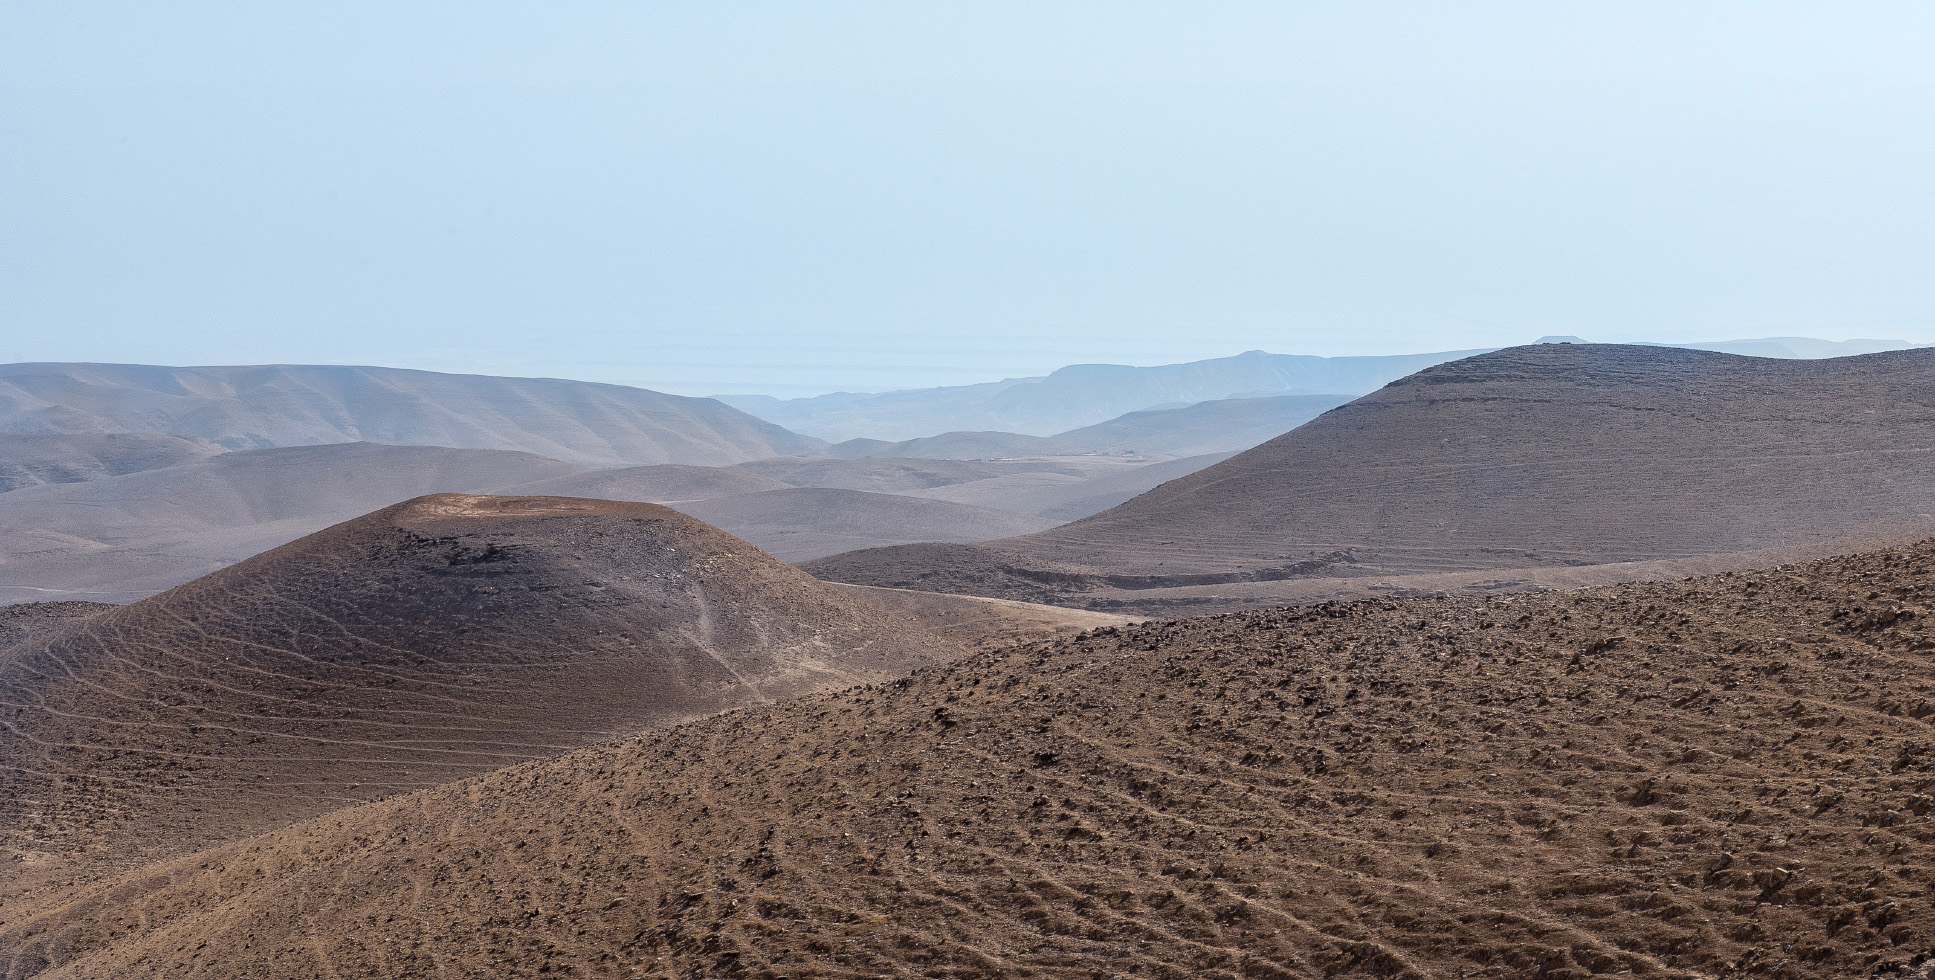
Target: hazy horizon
(777, 199)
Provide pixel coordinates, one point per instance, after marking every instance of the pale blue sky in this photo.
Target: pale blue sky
(797, 197)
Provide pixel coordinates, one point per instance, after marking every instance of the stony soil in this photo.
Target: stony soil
(1730, 776)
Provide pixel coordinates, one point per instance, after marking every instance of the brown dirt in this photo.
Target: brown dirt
(438, 638)
(1729, 776)
(1544, 456)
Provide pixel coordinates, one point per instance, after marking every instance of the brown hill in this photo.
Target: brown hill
(434, 639)
(1714, 777)
(1558, 454)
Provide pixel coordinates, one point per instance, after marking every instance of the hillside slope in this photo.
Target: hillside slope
(303, 405)
(1547, 455)
(1713, 777)
(434, 639)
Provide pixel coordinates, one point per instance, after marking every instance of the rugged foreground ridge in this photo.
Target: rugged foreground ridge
(1549, 455)
(441, 637)
(1728, 776)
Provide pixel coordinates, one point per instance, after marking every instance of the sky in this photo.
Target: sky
(795, 198)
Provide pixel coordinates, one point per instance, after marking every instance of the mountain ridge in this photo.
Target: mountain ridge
(273, 406)
(1543, 455)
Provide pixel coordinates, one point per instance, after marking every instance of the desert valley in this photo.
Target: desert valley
(1557, 660)
(967, 491)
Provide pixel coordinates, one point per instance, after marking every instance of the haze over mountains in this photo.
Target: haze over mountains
(304, 405)
(1083, 395)
(119, 516)
(1554, 454)
(121, 538)
(34, 460)
(1079, 395)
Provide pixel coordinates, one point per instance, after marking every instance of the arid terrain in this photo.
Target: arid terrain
(1727, 776)
(1551, 455)
(1458, 711)
(435, 639)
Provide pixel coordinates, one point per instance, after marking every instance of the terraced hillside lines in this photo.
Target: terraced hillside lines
(435, 639)
(1548, 455)
(1730, 776)
(23, 620)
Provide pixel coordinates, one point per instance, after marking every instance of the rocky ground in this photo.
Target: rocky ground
(1720, 777)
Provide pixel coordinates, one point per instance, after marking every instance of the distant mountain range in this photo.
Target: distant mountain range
(1086, 394)
(1222, 425)
(307, 405)
(1080, 395)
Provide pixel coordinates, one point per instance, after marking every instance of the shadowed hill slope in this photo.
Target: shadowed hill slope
(302, 405)
(430, 640)
(1534, 456)
(1714, 777)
